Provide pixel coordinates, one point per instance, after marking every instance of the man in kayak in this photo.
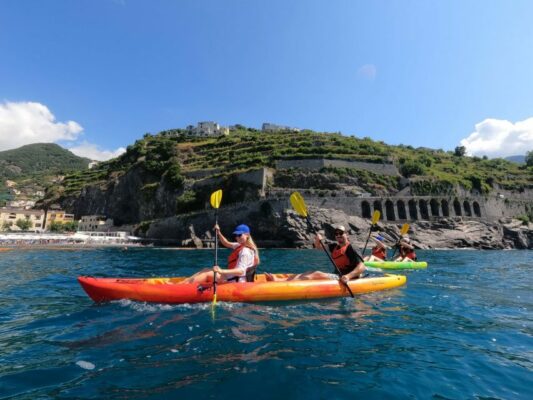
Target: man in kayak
(407, 250)
(379, 251)
(346, 258)
(242, 262)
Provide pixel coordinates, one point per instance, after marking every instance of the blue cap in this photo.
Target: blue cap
(380, 238)
(241, 229)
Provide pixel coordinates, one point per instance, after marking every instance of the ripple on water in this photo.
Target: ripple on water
(460, 329)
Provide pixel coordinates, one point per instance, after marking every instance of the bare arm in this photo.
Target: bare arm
(223, 241)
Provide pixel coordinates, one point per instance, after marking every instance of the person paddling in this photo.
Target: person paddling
(407, 250)
(345, 257)
(242, 262)
(379, 251)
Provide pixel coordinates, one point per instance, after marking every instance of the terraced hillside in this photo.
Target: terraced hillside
(172, 156)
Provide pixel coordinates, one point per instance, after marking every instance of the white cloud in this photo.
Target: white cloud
(500, 138)
(93, 152)
(367, 71)
(24, 123)
(27, 122)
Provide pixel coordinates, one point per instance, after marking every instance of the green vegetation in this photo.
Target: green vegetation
(35, 166)
(23, 224)
(171, 157)
(64, 227)
(46, 158)
(529, 158)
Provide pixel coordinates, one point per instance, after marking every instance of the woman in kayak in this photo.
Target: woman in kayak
(348, 261)
(242, 262)
(407, 251)
(379, 251)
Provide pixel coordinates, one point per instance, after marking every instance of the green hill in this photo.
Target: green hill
(34, 167)
(171, 155)
(42, 158)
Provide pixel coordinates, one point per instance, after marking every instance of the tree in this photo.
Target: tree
(6, 226)
(56, 227)
(23, 224)
(71, 226)
(529, 158)
(460, 151)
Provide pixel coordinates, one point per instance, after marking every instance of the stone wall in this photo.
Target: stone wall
(318, 163)
(413, 208)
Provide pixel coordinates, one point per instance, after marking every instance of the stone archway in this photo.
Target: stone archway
(401, 209)
(445, 208)
(434, 205)
(423, 205)
(365, 208)
(468, 211)
(413, 213)
(457, 208)
(477, 209)
(389, 210)
(378, 206)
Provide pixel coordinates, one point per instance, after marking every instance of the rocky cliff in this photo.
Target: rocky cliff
(274, 224)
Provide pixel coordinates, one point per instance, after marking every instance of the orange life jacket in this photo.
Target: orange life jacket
(341, 260)
(232, 262)
(379, 252)
(406, 252)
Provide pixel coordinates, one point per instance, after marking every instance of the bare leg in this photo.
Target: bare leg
(204, 276)
(315, 275)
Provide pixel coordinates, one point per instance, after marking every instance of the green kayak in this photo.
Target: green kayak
(396, 265)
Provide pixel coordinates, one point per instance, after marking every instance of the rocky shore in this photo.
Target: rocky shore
(276, 225)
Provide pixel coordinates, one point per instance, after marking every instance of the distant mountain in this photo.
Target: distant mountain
(39, 158)
(516, 159)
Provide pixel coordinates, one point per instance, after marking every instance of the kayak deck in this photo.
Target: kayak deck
(396, 264)
(171, 291)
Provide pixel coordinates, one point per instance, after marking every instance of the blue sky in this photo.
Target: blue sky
(424, 73)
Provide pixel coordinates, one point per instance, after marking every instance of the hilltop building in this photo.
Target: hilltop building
(206, 129)
(268, 127)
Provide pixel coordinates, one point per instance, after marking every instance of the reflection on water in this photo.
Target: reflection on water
(461, 329)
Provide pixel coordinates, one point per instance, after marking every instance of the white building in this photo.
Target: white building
(268, 127)
(92, 164)
(26, 204)
(93, 223)
(208, 128)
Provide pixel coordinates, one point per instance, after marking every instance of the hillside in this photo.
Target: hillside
(516, 159)
(32, 167)
(169, 173)
(47, 158)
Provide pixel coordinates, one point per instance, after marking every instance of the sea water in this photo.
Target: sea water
(462, 329)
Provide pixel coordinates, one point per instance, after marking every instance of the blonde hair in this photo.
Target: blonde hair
(251, 245)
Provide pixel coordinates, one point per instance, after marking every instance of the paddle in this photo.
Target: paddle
(403, 231)
(298, 204)
(216, 198)
(375, 219)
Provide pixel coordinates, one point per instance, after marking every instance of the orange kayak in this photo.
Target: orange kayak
(170, 290)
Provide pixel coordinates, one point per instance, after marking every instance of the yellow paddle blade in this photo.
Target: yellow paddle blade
(216, 198)
(215, 300)
(375, 217)
(405, 228)
(298, 204)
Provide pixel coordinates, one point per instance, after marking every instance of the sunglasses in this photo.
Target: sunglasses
(238, 235)
(339, 233)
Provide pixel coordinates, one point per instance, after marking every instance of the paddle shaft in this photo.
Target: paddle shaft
(396, 246)
(329, 256)
(368, 238)
(216, 256)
